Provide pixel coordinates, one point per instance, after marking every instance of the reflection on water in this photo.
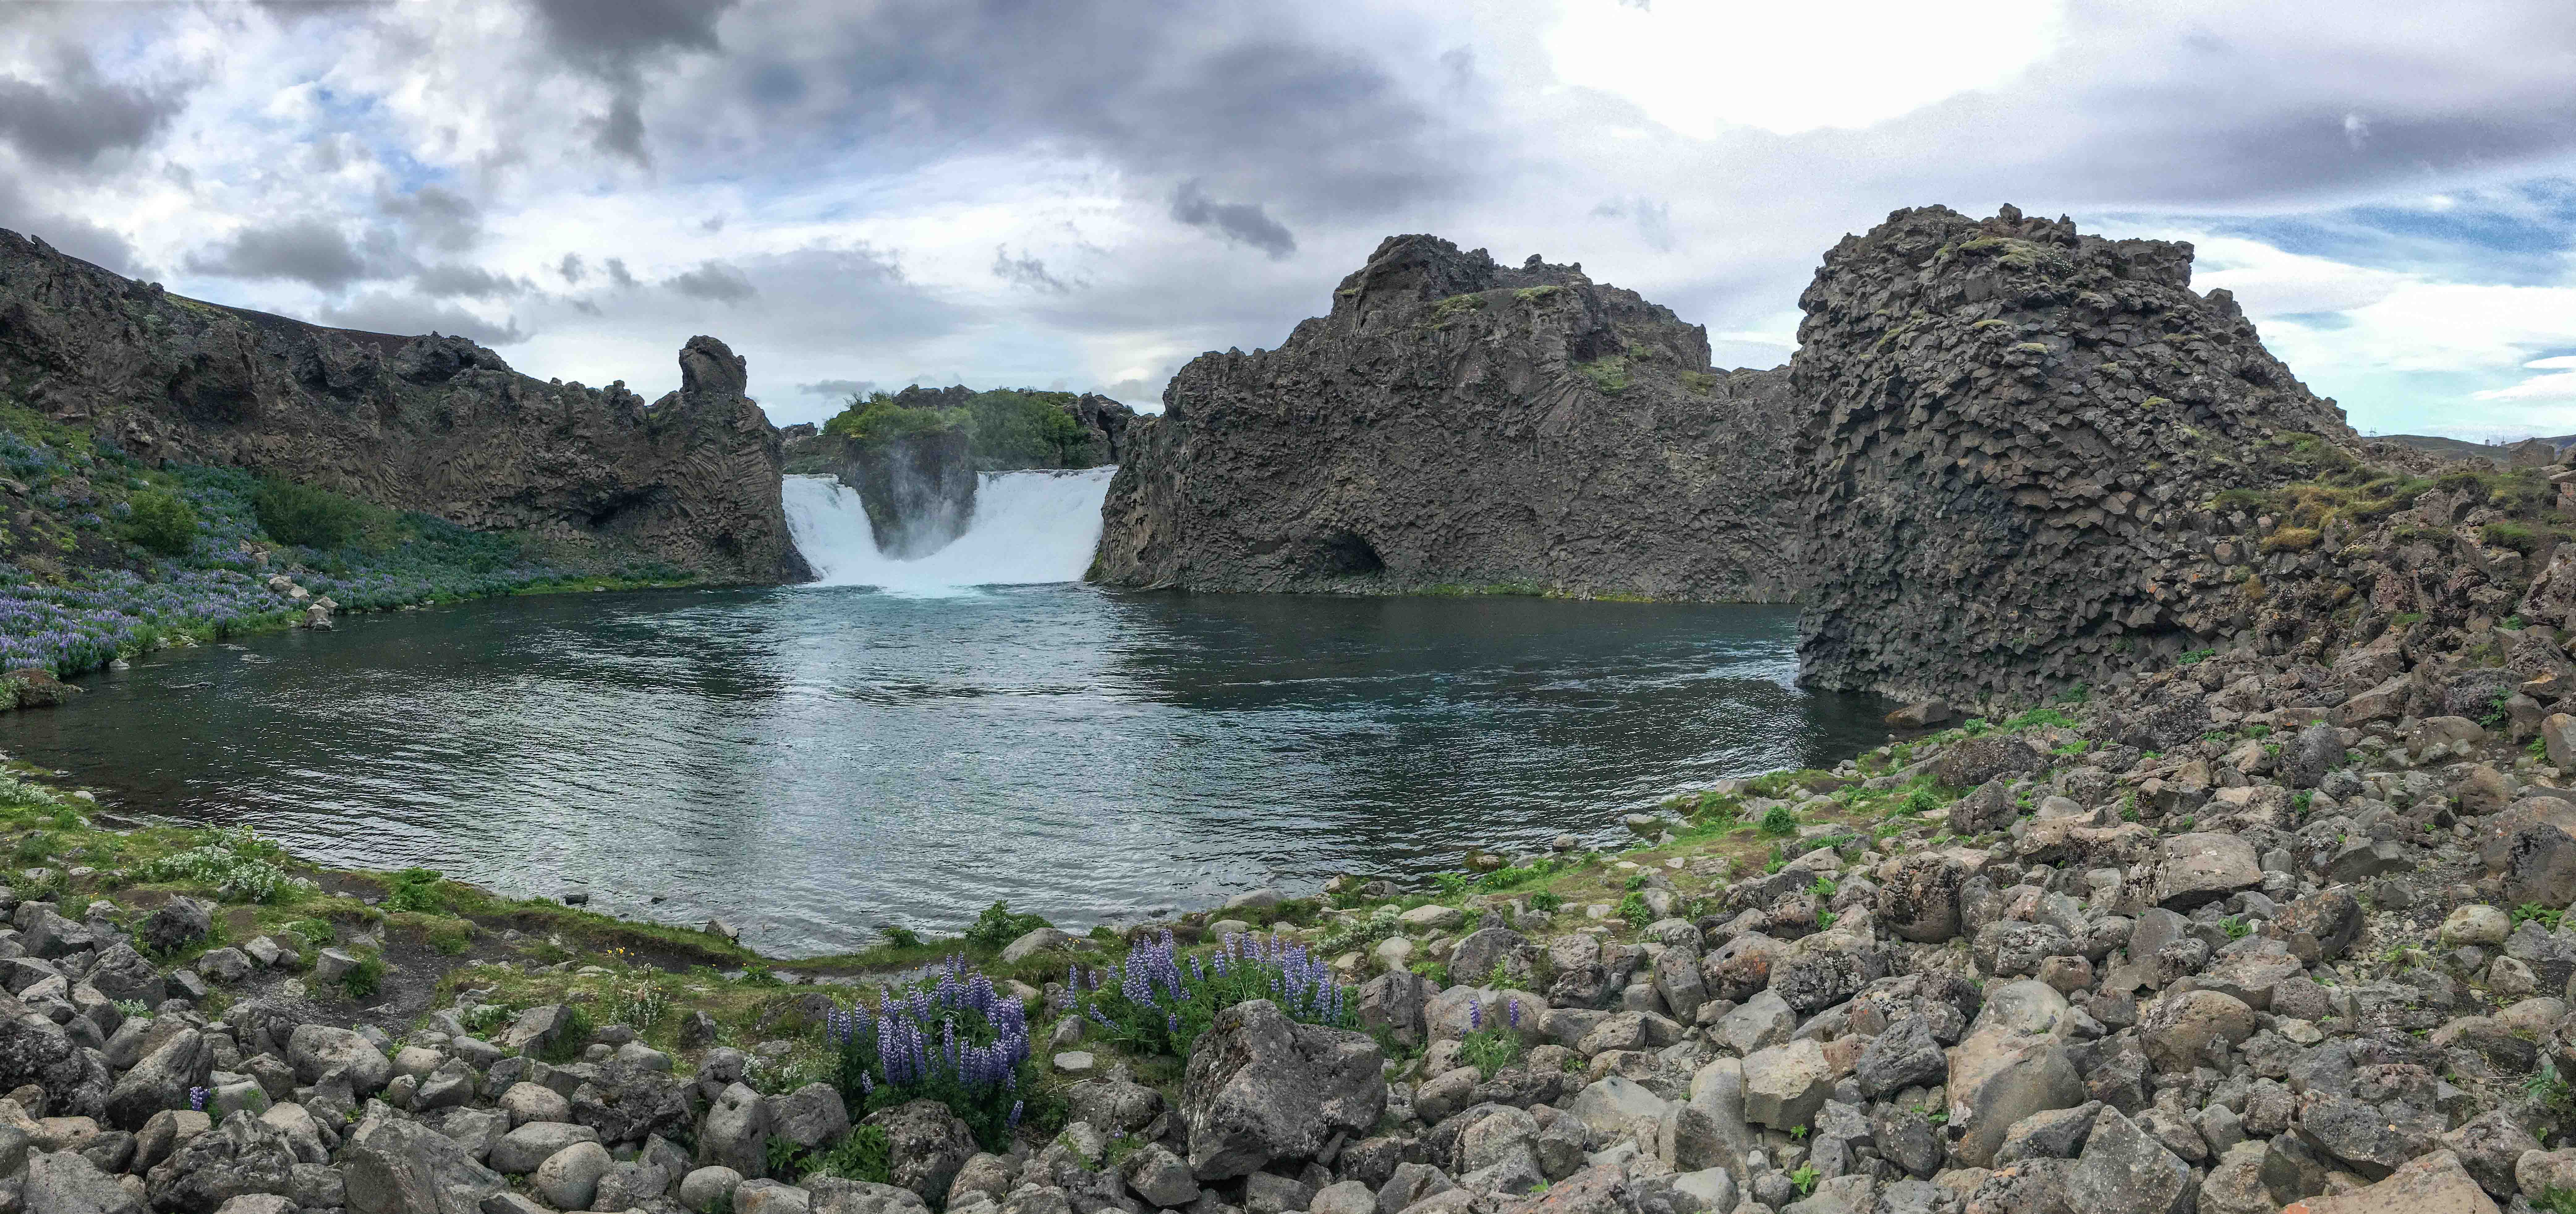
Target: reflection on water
(813, 762)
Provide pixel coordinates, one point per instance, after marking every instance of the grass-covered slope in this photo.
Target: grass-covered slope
(103, 557)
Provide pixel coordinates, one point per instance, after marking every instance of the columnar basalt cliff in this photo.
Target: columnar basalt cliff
(1458, 423)
(2010, 428)
(435, 424)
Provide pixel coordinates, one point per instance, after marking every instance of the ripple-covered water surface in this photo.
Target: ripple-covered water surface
(810, 763)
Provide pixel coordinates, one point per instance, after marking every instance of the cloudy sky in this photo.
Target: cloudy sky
(1086, 194)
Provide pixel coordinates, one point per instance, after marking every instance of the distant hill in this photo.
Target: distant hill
(2453, 448)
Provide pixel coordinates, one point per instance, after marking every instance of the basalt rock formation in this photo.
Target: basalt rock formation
(1459, 423)
(434, 424)
(2010, 428)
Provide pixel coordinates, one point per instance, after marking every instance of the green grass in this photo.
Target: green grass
(1490, 1049)
(1608, 374)
(364, 979)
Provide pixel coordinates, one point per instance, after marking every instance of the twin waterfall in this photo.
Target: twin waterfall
(1028, 527)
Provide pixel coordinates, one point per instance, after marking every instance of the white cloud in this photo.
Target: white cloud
(1791, 68)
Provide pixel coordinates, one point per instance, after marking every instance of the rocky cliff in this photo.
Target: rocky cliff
(1454, 422)
(435, 424)
(2013, 435)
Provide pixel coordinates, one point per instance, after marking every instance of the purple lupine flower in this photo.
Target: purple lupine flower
(197, 1099)
(1014, 1122)
(1512, 1008)
(1475, 1015)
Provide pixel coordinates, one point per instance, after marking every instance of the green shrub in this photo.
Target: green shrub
(1633, 908)
(1777, 820)
(416, 889)
(1021, 429)
(572, 1037)
(2500, 534)
(2291, 539)
(311, 518)
(161, 522)
(240, 866)
(365, 978)
(1608, 374)
(864, 1155)
(1490, 1050)
(997, 927)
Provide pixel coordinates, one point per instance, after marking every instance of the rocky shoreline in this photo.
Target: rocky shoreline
(2248, 931)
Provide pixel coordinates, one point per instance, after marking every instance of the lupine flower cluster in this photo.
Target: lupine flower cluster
(956, 1040)
(1157, 1001)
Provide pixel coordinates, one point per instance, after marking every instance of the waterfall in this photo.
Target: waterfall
(1027, 527)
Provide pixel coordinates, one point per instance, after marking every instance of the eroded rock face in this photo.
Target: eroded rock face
(2006, 423)
(1457, 421)
(1262, 1088)
(435, 424)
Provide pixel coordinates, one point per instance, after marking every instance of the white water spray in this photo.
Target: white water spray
(1028, 527)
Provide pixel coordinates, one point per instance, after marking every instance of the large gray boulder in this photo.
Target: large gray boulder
(64, 1182)
(736, 1132)
(315, 1050)
(35, 1050)
(404, 1167)
(122, 973)
(2124, 1170)
(2009, 1066)
(2204, 867)
(1784, 1085)
(927, 1143)
(810, 1117)
(570, 1177)
(160, 1080)
(180, 922)
(520, 1151)
(244, 1155)
(1262, 1087)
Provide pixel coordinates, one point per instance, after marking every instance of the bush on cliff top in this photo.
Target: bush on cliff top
(1005, 427)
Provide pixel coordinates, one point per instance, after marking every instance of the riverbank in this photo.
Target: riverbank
(2224, 936)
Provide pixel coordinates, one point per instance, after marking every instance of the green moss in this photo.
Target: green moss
(1535, 294)
(1607, 374)
(1698, 383)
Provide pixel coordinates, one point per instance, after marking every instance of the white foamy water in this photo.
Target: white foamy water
(1029, 527)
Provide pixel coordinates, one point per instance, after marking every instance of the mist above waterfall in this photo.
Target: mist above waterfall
(1026, 527)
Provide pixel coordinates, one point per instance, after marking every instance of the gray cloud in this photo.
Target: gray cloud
(311, 251)
(70, 234)
(714, 281)
(614, 40)
(1654, 220)
(78, 115)
(841, 389)
(445, 281)
(1249, 104)
(572, 268)
(437, 216)
(617, 272)
(1237, 222)
(1026, 270)
(384, 312)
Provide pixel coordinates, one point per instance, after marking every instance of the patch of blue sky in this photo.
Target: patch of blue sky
(2517, 235)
